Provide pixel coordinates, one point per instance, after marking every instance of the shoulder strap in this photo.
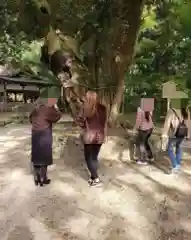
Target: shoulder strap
(176, 115)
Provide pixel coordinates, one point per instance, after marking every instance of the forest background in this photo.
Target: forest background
(122, 49)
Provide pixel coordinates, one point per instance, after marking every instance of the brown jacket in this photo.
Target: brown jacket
(43, 117)
(94, 127)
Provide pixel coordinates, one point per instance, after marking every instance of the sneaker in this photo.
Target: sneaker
(178, 167)
(89, 180)
(139, 162)
(173, 171)
(95, 182)
(151, 160)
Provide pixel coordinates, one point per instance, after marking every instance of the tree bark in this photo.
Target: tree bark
(124, 26)
(127, 21)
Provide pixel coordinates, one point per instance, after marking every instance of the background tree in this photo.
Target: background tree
(117, 23)
(104, 36)
(162, 51)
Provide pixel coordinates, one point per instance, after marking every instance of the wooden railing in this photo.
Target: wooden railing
(15, 107)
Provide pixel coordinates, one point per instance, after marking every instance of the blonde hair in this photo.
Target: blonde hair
(90, 104)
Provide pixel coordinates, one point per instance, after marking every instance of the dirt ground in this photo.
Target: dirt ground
(134, 202)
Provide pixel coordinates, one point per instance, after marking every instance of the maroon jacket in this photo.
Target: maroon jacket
(93, 128)
(43, 117)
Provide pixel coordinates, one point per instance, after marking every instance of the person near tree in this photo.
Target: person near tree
(42, 118)
(92, 118)
(174, 132)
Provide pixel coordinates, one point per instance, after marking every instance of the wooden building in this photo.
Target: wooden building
(24, 87)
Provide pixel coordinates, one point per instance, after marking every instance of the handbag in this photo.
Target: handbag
(88, 136)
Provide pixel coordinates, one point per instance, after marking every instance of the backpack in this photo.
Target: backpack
(182, 129)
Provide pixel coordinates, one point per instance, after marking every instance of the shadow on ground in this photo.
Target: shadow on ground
(162, 199)
(133, 203)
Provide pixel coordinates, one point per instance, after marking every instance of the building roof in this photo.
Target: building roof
(25, 80)
(17, 87)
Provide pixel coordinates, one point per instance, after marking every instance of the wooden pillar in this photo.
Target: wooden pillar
(16, 96)
(168, 104)
(39, 90)
(23, 91)
(5, 92)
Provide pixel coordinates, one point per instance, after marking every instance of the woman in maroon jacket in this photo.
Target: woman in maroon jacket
(92, 119)
(42, 118)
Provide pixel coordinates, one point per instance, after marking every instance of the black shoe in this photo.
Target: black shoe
(41, 183)
(47, 181)
(36, 182)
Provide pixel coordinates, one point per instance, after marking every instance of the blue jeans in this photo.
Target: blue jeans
(175, 158)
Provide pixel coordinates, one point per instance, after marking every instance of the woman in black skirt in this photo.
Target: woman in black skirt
(42, 118)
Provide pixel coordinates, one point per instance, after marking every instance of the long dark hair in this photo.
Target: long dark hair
(58, 63)
(184, 113)
(147, 116)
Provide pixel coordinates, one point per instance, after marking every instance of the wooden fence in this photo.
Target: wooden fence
(15, 107)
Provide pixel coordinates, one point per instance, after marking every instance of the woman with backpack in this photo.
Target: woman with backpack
(144, 126)
(174, 132)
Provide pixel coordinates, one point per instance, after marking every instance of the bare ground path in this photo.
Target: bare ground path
(134, 203)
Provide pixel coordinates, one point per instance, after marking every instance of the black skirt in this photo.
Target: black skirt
(41, 149)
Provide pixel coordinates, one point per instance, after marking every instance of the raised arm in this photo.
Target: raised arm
(80, 119)
(55, 112)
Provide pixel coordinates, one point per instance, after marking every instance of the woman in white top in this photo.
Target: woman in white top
(171, 138)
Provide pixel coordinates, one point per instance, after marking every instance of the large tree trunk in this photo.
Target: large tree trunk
(127, 22)
(122, 32)
(116, 104)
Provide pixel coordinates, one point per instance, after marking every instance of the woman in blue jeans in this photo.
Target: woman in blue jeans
(177, 156)
(171, 139)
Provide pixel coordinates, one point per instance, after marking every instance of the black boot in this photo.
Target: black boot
(37, 176)
(44, 175)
